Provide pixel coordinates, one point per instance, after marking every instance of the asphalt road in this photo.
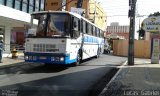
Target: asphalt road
(39, 80)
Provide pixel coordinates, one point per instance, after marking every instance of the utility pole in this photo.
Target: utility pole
(131, 14)
(94, 20)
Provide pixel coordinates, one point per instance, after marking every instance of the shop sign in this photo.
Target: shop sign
(151, 24)
(155, 51)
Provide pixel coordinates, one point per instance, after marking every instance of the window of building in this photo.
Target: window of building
(2, 2)
(31, 6)
(24, 7)
(37, 5)
(25, 1)
(17, 4)
(31, 2)
(42, 5)
(30, 9)
(10, 3)
(36, 9)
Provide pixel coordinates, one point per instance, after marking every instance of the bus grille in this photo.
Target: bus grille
(43, 47)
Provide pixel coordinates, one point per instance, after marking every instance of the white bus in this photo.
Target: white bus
(62, 38)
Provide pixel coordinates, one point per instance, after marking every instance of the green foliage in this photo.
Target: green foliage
(154, 14)
(141, 33)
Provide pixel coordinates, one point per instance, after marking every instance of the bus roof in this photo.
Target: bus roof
(74, 14)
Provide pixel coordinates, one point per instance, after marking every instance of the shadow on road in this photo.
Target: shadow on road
(69, 84)
(32, 68)
(46, 69)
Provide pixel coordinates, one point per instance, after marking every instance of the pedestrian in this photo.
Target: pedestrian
(1, 50)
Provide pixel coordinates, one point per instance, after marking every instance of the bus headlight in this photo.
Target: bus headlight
(26, 58)
(61, 58)
(52, 59)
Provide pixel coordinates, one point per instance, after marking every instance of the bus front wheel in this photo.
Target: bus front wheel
(78, 59)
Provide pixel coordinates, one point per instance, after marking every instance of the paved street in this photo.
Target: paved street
(40, 80)
(142, 79)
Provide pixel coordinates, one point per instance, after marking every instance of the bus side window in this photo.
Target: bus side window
(94, 31)
(89, 29)
(98, 33)
(76, 27)
(101, 34)
(81, 26)
(84, 26)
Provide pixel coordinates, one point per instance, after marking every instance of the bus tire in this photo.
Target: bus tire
(98, 53)
(79, 58)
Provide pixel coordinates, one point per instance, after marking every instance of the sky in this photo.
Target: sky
(117, 10)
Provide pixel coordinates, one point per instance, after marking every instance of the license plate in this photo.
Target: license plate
(42, 58)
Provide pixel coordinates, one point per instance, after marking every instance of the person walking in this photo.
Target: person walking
(1, 50)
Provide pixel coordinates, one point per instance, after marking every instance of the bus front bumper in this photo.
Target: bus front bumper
(53, 58)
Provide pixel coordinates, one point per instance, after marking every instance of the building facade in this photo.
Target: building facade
(117, 31)
(55, 5)
(93, 10)
(15, 15)
(97, 15)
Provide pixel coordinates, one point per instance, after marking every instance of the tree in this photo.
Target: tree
(141, 33)
(154, 14)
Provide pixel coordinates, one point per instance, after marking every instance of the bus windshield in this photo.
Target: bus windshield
(51, 25)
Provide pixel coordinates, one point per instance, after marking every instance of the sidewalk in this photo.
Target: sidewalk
(142, 79)
(8, 61)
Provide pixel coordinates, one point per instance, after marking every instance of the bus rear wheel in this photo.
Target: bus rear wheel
(98, 53)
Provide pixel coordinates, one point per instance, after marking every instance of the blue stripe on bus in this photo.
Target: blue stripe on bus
(48, 58)
(94, 40)
(68, 61)
(89, 39)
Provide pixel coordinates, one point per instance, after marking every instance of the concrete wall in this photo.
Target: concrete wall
(142, 48)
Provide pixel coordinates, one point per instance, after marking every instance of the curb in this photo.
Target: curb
(113, 78)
